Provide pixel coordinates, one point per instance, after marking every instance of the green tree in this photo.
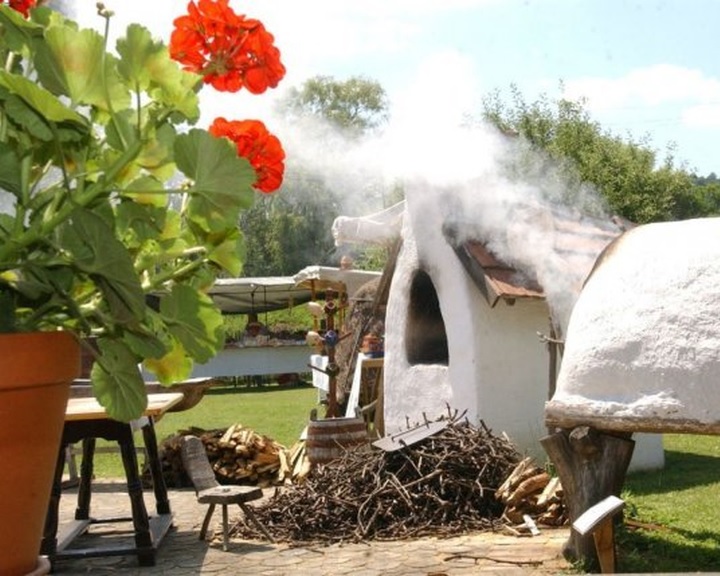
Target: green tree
(631, 178)
(357, 105)
(289, 231)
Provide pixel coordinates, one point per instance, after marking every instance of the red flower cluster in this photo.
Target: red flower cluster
(229, 50)
(22, 6)
(262, 149)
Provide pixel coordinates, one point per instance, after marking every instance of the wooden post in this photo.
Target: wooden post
(331, 339)
(591, 465)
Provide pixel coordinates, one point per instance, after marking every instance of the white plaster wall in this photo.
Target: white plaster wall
(409, 391)
(513, 386)
(643, 339)
(498, 366)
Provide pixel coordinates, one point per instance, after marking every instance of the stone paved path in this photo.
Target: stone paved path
(183, 554)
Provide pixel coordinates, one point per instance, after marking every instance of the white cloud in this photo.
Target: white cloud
(651, 86)
(670, 95)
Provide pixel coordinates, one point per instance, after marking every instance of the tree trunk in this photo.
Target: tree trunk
(591, 465)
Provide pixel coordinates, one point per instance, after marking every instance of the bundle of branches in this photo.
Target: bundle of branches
(441, 485)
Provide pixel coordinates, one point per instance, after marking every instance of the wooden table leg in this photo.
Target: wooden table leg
(162, 502)
(82, 512)
(48, 546)
(141, 523)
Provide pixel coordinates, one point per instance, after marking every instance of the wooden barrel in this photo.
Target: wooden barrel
(328, 439)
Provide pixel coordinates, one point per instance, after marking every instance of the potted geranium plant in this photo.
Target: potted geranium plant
(116, 213)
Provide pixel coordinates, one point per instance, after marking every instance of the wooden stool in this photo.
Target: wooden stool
(209, 491)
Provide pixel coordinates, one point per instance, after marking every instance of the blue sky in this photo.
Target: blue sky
(647, 67)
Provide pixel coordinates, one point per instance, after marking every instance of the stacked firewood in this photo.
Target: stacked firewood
(241, 455)
(440, 485)
(238, 455)
(531, 496)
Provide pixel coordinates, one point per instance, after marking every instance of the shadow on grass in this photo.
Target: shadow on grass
(681, 471)
(668, 550)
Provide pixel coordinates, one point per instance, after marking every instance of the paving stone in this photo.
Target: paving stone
(183, 554)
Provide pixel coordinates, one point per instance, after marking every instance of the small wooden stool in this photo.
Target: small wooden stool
(210, 491)
(598, 520)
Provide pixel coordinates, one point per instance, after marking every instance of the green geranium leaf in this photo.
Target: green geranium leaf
(147, 191)
(230, 253)
(146, 345)
(31, 122)
(74, 63)
(117, 382)
(17, 30)
(222, 180)
(9, 169)
(175, 366)
(139, 222)
(158, 150)
(146, 65)
(97, 252)
(194, 320)
(34, 281)
(43, 101)
(121, 130)
(6, 221)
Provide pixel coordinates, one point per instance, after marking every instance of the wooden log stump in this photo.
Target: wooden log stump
(591, 465)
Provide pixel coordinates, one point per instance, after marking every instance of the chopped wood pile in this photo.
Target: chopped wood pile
(239, 455)
(442, 485)
(529, 491)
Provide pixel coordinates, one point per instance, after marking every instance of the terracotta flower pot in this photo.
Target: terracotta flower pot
(36, 371)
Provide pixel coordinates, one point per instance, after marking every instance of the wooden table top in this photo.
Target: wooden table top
(90, 409)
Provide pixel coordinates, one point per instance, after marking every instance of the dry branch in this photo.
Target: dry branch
(442, 485)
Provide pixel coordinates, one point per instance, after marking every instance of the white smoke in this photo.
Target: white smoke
(466, 175)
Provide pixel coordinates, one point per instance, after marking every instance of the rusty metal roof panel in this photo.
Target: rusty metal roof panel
(495, 279)
(576, 240)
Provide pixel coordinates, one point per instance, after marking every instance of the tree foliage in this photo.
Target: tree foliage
(357, 105)
(629, 175)
(292, 230)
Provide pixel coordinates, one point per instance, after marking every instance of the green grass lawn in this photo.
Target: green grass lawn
(680, 502)
(280, 413)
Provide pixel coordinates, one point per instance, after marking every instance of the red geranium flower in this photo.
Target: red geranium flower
(22, 6)
(262, 149)
(229, 50)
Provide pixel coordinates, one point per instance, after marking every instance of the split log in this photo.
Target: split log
(591, 465)
(530, 492)
(238, 455)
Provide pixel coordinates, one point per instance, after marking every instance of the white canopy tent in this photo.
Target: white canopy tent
(265, 294)
(248, 295)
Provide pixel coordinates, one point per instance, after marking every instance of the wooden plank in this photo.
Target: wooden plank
(160, 525)
(605, 546)
(90, 408)
(68, 532)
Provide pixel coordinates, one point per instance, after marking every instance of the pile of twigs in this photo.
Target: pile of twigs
(441, 485)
